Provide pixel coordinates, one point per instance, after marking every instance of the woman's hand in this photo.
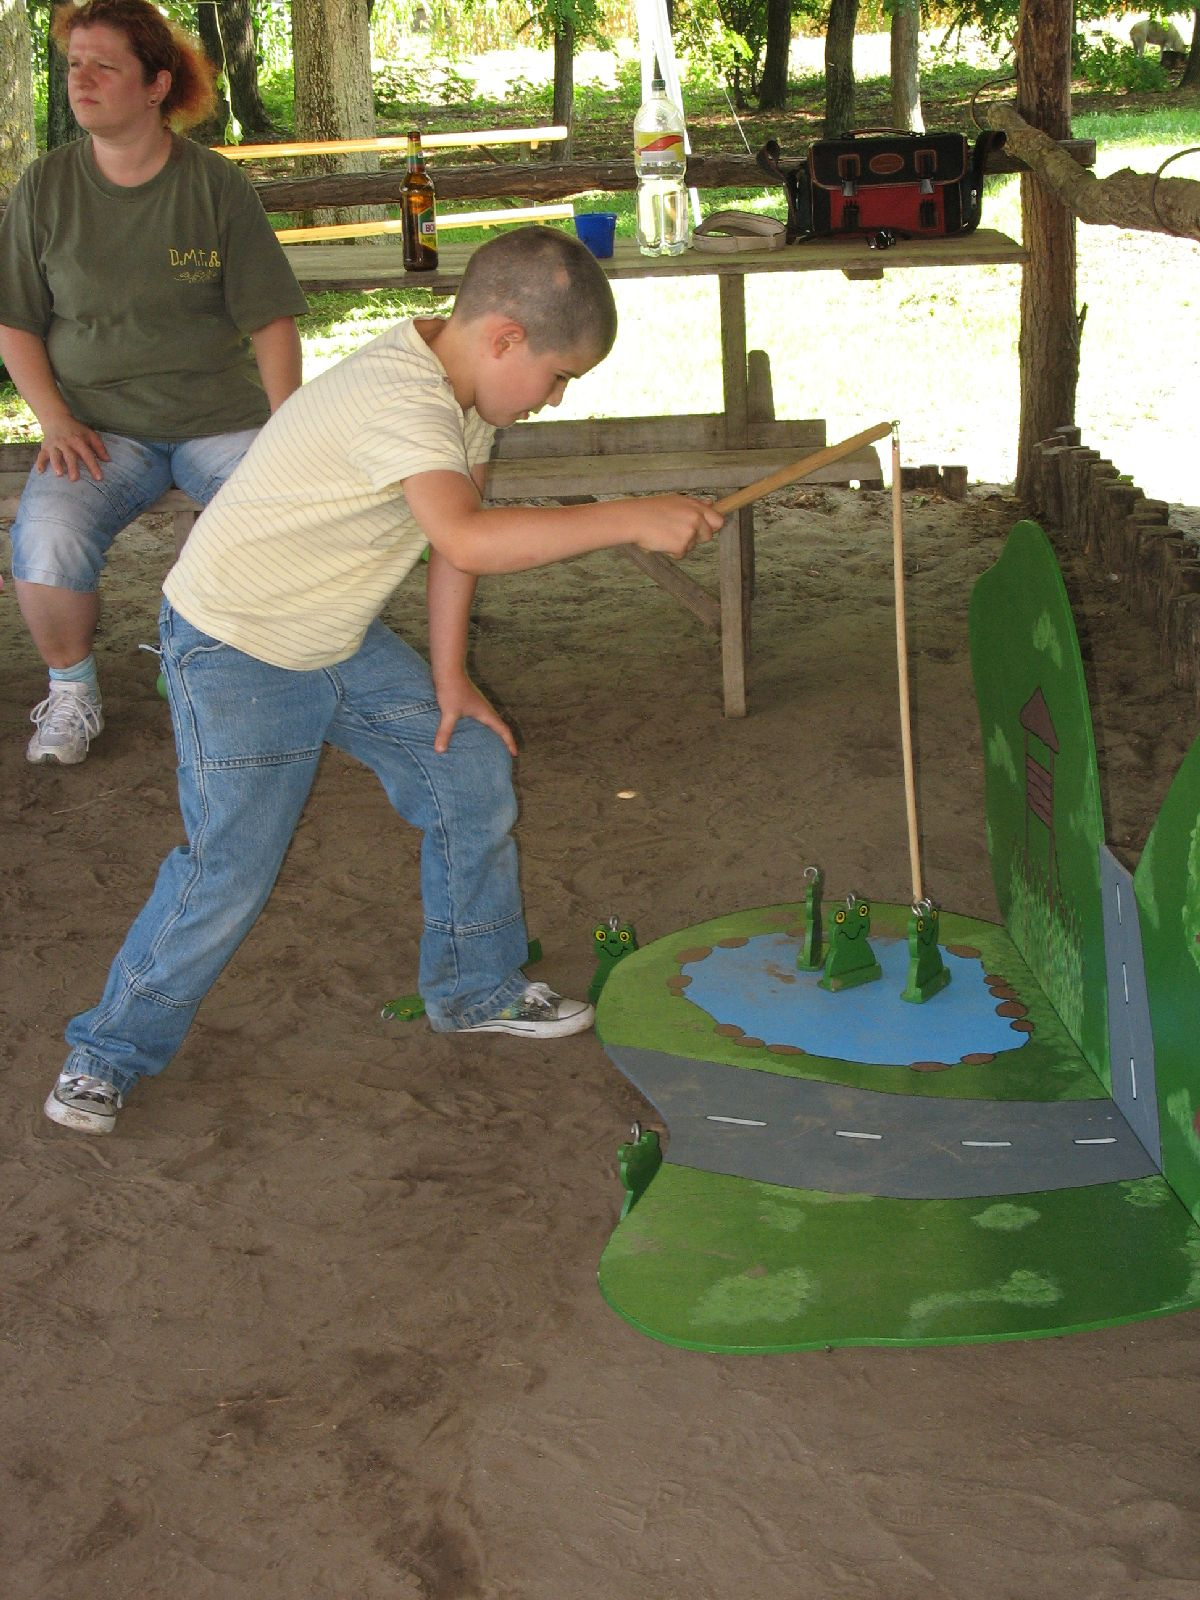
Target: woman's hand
(68, 445)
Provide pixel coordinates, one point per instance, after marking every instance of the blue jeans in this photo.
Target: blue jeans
(63, 530)
(248, 737)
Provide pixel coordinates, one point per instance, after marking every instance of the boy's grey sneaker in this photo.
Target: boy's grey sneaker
(67, 721)
(538, 1014)
(89, 1105)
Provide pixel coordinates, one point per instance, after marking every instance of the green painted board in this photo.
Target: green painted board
(1167, 886)
(717, 1252)
(1044, 818)
(717, 1263)
(719, 1259)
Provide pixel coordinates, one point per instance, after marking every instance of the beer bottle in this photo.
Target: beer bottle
(417, 215)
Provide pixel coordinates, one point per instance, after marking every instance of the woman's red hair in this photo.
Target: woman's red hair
(158, 44)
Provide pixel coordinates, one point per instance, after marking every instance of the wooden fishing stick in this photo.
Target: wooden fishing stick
(800, 469)
(910, 785)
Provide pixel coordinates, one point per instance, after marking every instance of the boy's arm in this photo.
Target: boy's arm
(449, 593)
(479, 539)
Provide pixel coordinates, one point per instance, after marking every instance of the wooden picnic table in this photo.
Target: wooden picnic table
(578, 460)
(366, 266)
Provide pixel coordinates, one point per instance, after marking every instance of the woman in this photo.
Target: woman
(147, 316)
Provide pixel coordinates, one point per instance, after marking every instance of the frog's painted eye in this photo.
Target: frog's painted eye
(920, 924)
(600, 934)
(624, 935)
(839, 916)
(864, 910)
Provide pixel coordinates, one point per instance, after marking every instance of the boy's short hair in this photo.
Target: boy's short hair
(548, 282)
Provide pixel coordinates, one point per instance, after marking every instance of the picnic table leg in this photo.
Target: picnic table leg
(737, 541)
(733, 633)
(182, 523)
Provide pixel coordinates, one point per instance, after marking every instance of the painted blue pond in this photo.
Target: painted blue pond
(756, 987)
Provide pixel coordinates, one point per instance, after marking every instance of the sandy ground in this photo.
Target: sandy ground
(321, 1319)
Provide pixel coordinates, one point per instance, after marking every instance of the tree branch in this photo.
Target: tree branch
(1125, 199)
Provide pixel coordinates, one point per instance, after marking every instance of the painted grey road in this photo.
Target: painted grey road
(809, 1135)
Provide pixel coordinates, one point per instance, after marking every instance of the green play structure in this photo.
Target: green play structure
(1015, 1155)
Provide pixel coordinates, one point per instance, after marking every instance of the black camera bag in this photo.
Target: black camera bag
(912, 185)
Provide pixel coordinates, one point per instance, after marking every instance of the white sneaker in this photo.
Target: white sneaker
(89, 1105)
(66, 721)
(538, 1014)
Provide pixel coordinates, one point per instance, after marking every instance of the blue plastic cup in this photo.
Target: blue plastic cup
(597, 230)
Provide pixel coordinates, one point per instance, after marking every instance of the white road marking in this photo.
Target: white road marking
(740, 1122)
(844, 1133)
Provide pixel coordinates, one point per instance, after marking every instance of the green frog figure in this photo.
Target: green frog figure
(927, 972)
(612, 940)
(850, 959)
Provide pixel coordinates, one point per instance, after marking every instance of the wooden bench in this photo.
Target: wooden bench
(16, 460)
(577, 461)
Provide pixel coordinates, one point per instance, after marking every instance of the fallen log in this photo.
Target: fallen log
(546, 180)
(1125, 199)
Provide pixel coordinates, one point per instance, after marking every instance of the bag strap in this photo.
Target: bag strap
(724, 232)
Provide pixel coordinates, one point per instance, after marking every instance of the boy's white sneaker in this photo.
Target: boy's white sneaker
(89, 1105)
(538, 1014)
(67, 721)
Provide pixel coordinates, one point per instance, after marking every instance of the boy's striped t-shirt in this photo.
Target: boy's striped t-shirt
(304, 544)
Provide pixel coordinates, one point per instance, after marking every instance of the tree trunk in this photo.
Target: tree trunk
(1049, 339)
(331, 51)
(772, 91)
(906, 72)
(839, 68)
(17, 141)
(241, 67)
(208, 30)
(1191, 73)
(61, 126)
(563, 111)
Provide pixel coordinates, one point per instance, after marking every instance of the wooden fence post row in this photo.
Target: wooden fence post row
(1107, 518)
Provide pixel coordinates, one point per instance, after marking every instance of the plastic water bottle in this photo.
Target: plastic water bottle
(663, 219)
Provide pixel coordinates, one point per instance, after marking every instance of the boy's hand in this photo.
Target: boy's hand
(673, 524)
(461, 698)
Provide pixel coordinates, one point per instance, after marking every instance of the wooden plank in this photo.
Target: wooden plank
(733, 358)
(671, 577)
(609, 436)
(501, 217)
(733, 618)
(286, 150)
(378, 266)
(680, 472)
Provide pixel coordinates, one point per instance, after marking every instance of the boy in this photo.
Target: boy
(272, 647)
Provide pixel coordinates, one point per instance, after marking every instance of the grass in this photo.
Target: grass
(936, 349)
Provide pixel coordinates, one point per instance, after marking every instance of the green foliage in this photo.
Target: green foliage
(726, 40)
(414, 84)
(1117, 68)
(997, 19)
